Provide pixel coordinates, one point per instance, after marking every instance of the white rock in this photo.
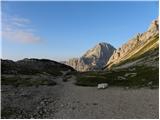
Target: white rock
(121, 78)
(102, 85)
(150, 83)
(132, 69)
(130, 74)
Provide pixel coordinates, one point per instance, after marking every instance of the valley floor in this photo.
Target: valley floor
(66, 100)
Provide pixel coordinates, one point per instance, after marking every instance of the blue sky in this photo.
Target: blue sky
(62, 30)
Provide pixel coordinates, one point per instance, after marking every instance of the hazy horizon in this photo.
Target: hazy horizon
(62, 30)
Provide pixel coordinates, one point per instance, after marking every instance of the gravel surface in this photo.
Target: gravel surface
(65, 100)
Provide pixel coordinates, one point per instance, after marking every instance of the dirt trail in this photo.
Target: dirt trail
(114, 102)
(66, 100)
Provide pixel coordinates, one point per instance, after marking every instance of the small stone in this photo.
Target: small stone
(38, 107)
(62, 105)
(40, 112)
(132, 69)
(130, 74)
(143, 80)
(126, 88)
(20, 116)
(95, 103)
(42, 103)
(121, 78)
(24, 95)
(150, 83)
(45, 110)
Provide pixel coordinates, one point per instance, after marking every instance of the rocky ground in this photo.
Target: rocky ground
(66, 100)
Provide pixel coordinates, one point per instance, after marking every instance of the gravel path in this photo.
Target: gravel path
(65, 100)
(114, 102)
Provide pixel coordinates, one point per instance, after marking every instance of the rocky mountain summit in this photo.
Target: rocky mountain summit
(93, 59)
(140, 46)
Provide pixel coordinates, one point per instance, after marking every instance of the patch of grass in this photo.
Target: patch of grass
(9, 80)
(29, 71)
(147, 47)
(14, 113)
(143, 77)
(7, 112)
(65, 79)
(72, 73)
(19, 81)
(145, 55)
(90, 81)
(157, 59)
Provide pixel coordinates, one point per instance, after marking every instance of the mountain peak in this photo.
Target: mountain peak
(154, 26)
(104, 44)
(98, 50)
(94, 59)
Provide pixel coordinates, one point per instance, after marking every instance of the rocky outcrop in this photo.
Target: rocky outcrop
(137, 46)
(93, 59)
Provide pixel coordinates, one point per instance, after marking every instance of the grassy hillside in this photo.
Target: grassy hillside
(138, 76)
(29, 80)
(34, 67)
(141, 52)
(153, 44)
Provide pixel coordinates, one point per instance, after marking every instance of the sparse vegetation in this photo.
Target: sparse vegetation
(15, 113)
(146, 51)
(17, 80)
(8, 111)
(147, 47)
(144, 75)
(34, 67)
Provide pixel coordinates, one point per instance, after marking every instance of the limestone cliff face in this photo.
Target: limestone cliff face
(137, 46)
(93, 59)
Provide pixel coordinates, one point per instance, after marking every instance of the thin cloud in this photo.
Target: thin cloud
(18, 29)
(20, 22)
(21, 36)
